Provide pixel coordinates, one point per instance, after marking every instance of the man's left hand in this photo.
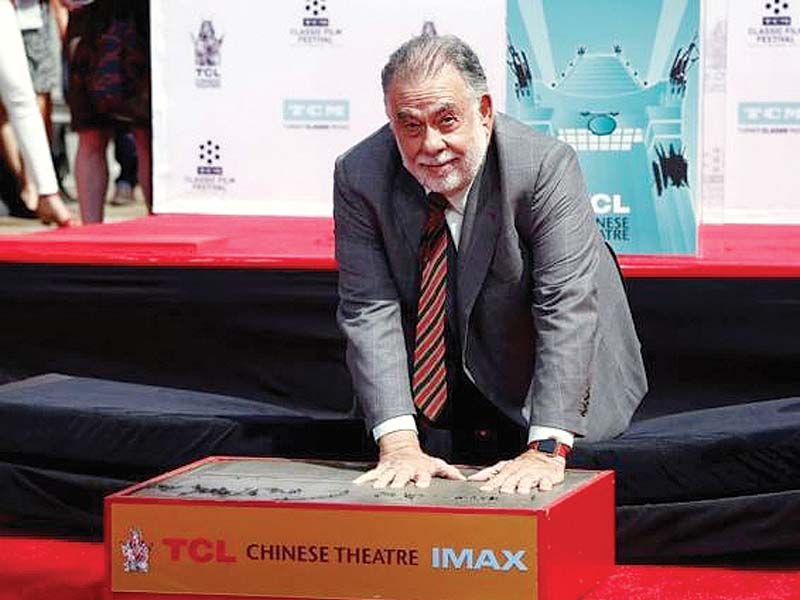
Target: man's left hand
(529, 470)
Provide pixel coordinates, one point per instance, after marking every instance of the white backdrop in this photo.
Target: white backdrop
(762, 114)
(751, 112)
(257, 133)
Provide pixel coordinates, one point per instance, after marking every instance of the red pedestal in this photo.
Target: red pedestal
(269, 528)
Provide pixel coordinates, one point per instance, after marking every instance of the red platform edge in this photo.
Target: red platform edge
(585, 527)
(306, 243)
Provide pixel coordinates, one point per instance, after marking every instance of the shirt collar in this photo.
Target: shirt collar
(458, 203)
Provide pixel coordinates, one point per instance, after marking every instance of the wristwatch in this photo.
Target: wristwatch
(551, 447)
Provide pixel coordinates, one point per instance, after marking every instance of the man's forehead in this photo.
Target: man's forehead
(445, 90)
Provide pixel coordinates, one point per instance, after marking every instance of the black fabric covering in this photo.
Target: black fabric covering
(703, 454)
(751, 529)
(272, 335)
(704, 483)
(67, 442)
(716, 342)
(54, 501)
(262, 335)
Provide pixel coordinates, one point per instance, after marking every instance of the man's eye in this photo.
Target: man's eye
(448, 121)
(411, 127)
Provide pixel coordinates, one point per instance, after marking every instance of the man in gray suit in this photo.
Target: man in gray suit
(536, 337)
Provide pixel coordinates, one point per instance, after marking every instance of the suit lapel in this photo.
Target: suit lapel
(478, 236)
(408, 204)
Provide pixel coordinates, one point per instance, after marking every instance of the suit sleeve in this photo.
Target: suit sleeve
(369, 308)
(564, 256)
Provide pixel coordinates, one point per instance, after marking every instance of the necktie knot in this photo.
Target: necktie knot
(436, 207)
(437, 203)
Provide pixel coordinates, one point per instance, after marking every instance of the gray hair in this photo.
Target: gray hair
(426, 55)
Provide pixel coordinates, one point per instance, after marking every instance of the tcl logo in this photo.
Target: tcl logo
(199, 550)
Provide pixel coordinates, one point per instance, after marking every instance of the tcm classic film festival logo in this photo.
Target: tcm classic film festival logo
(771, 118)
(776, 24)
(209, 174)
(316, 25)
(207, 56)
(316, 114)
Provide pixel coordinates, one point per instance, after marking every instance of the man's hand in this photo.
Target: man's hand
(529, 470)
(402, 460)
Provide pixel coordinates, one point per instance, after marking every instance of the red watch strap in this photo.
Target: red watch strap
(562, 450)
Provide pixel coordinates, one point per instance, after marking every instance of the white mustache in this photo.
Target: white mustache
(438, 161)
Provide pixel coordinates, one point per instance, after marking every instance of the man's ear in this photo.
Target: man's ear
(487, 112)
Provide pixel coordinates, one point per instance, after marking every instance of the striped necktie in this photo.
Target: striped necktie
(429, 381)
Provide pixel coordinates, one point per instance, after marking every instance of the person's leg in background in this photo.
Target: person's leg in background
(28, 191)
(12, 160)
(10, 169)
(125, 155)
(91, 173)
(141, 136)
(38, 44)
(11, 155)
(24, 113)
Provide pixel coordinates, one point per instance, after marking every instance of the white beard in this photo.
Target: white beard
(458, 179)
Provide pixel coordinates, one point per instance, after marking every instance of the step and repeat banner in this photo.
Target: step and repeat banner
(253, 101)
(680, 111)
(760, 157)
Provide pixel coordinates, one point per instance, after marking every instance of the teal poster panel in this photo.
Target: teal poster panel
(618, 80)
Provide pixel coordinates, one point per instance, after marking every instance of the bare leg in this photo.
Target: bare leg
(141, 137)
(11, 156)
(91, 173)
(9, 149)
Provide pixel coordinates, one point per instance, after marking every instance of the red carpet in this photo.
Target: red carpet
(307, 243)
(697, 583)
(45, 569)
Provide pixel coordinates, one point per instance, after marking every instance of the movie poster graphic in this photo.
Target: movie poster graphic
(618, 81)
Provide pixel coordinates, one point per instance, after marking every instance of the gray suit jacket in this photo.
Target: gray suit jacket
(544, 322)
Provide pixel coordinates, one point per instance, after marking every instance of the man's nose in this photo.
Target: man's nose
(433, 142)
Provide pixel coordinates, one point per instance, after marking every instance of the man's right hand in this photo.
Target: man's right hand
(402, 461)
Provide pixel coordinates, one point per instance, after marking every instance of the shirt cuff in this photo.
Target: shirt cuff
(537, 433)
(401, 423)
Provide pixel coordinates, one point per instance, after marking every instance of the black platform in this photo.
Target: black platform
(66, 442)
(271, 335)
(705, 483)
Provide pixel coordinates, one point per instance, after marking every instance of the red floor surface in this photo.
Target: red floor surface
(307, 243)
(45, 569)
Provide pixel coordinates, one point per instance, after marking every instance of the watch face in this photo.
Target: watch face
(547, 446)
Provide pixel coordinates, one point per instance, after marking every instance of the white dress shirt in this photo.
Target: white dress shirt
(454, 214)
